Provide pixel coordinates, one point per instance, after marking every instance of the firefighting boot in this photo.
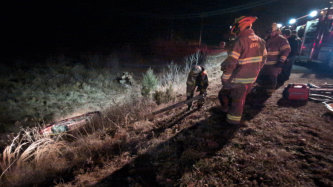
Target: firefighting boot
(270, 92)
(189, 106)
(240, 124)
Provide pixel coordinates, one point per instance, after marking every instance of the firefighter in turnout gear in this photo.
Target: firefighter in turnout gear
(197, 78)
(241, 68)
(278, 49)
(295, 45)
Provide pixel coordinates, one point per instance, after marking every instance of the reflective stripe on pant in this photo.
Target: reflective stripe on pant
(233, 100)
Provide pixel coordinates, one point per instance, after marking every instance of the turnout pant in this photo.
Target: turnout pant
(286, 71)
(233, 99)
(190, 94)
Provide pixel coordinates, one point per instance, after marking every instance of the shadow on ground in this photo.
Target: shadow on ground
(166, 163)
(328, 116)
(291, 103)
(173, 121)
(254, 104)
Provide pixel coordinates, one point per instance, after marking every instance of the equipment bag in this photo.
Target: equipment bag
(296, 92)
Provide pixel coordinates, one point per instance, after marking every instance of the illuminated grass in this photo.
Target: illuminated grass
(55, 89)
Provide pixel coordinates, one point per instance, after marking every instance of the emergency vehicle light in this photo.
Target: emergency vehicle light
(292, 21)
(313, 13)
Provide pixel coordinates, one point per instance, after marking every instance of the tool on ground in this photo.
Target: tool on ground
(329, 106)
(320, 98)
(308, 91)
(68, 124)
(321, 93)
(311, 85)
(312, 92)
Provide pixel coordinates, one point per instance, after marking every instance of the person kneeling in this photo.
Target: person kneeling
(197, 79)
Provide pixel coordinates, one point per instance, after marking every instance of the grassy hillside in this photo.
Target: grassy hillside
(36, 93)
(118, 128)
(54, 89)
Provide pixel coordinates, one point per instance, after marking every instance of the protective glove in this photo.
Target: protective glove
(225, 84)
(279, 65)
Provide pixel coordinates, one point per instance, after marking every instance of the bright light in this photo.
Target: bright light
(313, 13)
(279, 25)
(292, 21)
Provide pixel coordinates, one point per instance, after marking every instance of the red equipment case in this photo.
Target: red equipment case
(296, 92)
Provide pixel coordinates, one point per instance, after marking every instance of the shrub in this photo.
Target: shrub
(164, 96)
(149, 83)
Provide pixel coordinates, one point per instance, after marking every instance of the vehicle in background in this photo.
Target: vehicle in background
(316, 32)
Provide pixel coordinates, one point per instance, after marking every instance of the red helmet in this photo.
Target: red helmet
(242, 23)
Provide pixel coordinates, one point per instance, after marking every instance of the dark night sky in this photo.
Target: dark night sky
(45, 26)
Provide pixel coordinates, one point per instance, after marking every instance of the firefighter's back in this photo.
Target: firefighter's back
(251, 59)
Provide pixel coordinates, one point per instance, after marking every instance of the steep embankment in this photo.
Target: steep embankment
(281, 144)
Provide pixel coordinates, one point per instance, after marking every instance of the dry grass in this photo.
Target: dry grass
(176, 75)
(121, 130)
(60, 86)
(284, 145)
(64, 86)
(29, 154)
(33, 158)
(279, 146)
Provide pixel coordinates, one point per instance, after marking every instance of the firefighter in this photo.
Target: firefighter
(125, 79)
(278, 49)
(241, 68)
(295, 45)
(197, 78)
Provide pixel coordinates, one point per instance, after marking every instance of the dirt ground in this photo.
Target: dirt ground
(282, 143)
